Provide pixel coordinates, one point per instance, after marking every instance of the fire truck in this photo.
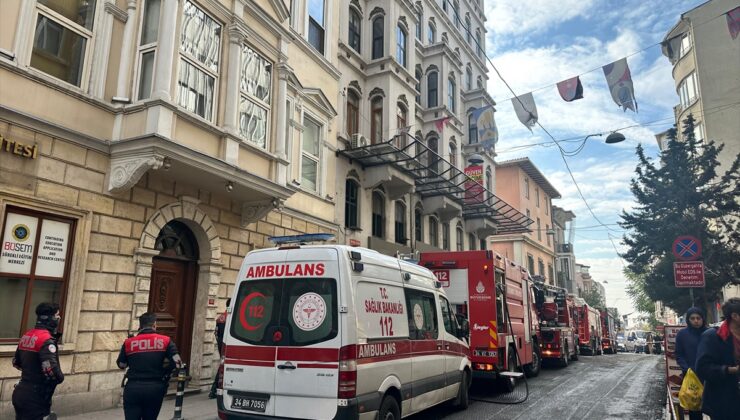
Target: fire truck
(589, 328)
(494, 295)
(608, 332)
(558, 318)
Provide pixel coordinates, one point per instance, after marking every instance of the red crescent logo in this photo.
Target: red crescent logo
(243, 309)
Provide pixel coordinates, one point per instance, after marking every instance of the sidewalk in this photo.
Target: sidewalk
(195, 407)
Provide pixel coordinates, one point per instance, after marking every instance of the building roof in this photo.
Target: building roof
(530, 169)
(567, 214)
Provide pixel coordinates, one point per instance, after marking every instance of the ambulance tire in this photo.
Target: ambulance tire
(389, 409)
(463, 397)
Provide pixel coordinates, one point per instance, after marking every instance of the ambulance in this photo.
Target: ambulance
(332, 331)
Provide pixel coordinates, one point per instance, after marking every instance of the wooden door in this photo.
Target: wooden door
(172, 298)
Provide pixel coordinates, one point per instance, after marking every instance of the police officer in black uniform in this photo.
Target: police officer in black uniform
(148, 375)
(37, 357)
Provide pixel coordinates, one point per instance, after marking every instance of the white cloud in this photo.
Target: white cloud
(608, 271)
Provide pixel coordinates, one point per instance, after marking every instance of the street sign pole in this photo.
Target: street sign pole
(691, 295)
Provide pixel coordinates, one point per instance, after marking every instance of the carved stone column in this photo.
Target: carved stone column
(233, 76)
(166, 48)
(127, 46)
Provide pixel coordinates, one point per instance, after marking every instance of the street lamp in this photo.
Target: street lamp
(614, 137)
(475, 159)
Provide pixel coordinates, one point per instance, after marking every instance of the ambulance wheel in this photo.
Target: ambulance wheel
(533, 369)
(389, 409)
(463, 398)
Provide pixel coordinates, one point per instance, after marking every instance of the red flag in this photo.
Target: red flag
(571, 89)
(733, 22)
(440, 123)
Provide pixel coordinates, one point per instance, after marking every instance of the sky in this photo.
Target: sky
(537, 43)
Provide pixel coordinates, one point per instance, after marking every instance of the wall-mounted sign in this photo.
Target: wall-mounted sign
(474, 191)
(30, 151)
(18, 242)
(52, 253)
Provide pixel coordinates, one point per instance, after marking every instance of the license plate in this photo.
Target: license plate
(247, 403)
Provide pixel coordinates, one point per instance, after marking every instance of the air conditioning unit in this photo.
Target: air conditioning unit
(358, 140)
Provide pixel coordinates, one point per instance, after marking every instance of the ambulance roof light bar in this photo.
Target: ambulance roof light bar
(301, 239)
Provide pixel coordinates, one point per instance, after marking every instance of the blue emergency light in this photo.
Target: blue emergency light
(301, 239)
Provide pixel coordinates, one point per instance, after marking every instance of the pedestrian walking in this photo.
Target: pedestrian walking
(687, 342)
(717, 364)
(219, 332)
(147, 378)
(37, 358)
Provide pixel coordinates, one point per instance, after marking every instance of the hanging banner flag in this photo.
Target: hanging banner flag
(620, 84)
(440, 123)
(671, 48)
(474, 191)
(571, 89)
(733, 22)
(525, 109)
(485, 126)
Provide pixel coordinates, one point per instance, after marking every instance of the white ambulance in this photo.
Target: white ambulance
(331, 331)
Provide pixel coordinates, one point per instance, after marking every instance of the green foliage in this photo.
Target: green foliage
(682, 194)
(594, 298)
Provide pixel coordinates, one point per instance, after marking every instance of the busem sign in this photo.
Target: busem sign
(689, 273)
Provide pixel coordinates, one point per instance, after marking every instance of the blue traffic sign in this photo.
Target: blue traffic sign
(687, 248)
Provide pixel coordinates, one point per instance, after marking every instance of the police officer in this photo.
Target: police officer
(148, 376)
(38, 360)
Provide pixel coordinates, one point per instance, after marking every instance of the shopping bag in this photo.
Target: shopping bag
(690, 394)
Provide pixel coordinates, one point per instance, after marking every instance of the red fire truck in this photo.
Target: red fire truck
(589, 328)
(495, 296)
(558, 323)
(608, 332)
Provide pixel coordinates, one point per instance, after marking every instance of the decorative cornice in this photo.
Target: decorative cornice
(403, 100)
(117, 12)
(281, 10)
(376, 11)
(237, 31)
(356, 4)
(126, 171)
(376, 92)
(356, 86)
(402, 20)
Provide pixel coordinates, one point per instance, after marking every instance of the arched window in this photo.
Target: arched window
(451, 87)
(471, 241)
(418, 75)
(401, 125)
(446, 236)
(378, 28)
(444, 5)
(459, 238)
(432, 88)
(478, 43)
(400, 223)
(433, 159)
(353, 112)
(433, 231)
(453, 154)
(378, 214)
(376, 120)
(456, 13)
(401, 45)
(351, 203)
(479, 82)
(431, 33)
(418, 225)
(468, 34)
(355, 29)
(472, 128)
(468, 78)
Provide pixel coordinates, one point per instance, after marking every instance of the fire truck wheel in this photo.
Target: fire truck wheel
(564, 359)
(533, 369)
(389, 409)
(507, 384)
(463, 398)
(575, 354)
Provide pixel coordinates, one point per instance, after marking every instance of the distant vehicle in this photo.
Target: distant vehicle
(621, 343)
(642, 341)
(558, 318)
(608, 332)
(589, 328)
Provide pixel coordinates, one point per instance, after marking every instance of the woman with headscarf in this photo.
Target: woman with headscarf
(687, 342)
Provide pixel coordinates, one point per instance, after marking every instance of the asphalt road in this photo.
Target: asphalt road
(622, 386)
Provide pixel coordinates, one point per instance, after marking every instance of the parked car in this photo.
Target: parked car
(642, 341)
(621, 344)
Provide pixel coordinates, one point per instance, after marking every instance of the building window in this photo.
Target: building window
(418, 24)
(400, 223)
(456, 13)
(433, 160)
(479, 82)
(351, 201)
(376, 120)
(547, 205)
(468, 35)
(418, 227)
(433, 232)
(148, 47)
(310, 154)
(547, 233)
(688, 90)
(355, 26)
(37, 250)
(453, 154)
(316, 29)
(550, 274)
(432, 88)
(479, 43)
(255, 86)
(63, 31)
(401, 45)
(378, 37)
(530, 264)
(446, 236)
(537, 196)
(489, 181)
(418, 84)
(451, 86)
(699, 132)
(685, 44)
(540, 267)
(378, 214)
(483, 245)
(539, 230)
(200, 46)
(468, 78)
(459, 238)
(431, 33)
(471, 241)
(401, 123)
(353, 113)
(526, 187)
(472, 128)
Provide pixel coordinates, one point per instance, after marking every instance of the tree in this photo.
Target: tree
(594, 298)
(682, 194)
